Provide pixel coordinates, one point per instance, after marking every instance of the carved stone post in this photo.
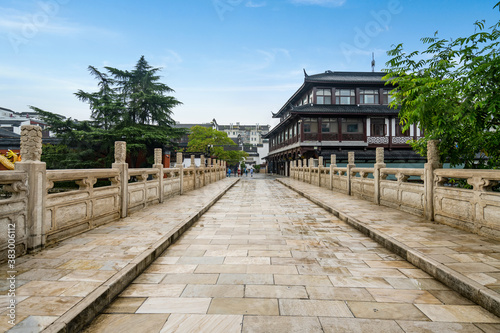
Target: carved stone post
(194, 176)
(36, 171)
(311, 165)
(320, 169)
(433, 163)
(178, 164)
(350, 166)
(122, 166)
(202, 170)
(333, 164)
(159, 165)
(379, 164)
(210, 170)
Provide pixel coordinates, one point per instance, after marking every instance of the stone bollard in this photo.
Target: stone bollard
(122, 166)
(350, 166)
(311, 165)
(433, 163)
(202, 171)
(159, 165)
(333, 164)
(178, 164)
(379, 164)
(320, 169)
(36, 171)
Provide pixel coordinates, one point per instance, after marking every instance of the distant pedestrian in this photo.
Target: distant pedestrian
(229, 172)
(246, 172)
(251, 172)
(239, 172)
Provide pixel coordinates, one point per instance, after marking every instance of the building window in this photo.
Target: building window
(386, 97)
(352, 125)
(378, 127)
(368, 96)
(310, 125)
(345, 96)
(323, 96)
(329, 125)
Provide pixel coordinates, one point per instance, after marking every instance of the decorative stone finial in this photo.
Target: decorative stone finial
(350, 157)
(158, 153)
(333, 160)
(300, 163)
(192, 161)
(202, 161)
(379, 155)
(320, 161)
(178, 162)
(432, 151)
(120, 151)
(209, 161)
(31, 142)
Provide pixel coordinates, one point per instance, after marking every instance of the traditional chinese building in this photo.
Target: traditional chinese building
(337, 112)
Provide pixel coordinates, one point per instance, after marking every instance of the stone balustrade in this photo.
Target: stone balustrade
(431, 192)
(40, 216)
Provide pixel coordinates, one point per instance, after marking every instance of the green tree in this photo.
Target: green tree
(131, 106)
(452, 91)
(213, 142)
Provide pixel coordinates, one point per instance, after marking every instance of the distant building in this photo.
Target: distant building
(338, 112)
(12, 121)
(249, 138)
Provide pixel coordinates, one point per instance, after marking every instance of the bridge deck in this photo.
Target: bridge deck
(264, 259)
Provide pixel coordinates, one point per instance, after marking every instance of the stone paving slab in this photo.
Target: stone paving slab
(311, 272)
(62, 287)
(466, 262)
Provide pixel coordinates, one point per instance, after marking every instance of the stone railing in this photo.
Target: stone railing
(431, 192)
(34, 215)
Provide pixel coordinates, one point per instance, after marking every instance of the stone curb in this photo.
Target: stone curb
(465, 286)
(89, 307)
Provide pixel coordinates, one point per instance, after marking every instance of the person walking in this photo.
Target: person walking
(229, 172)
(251, 172)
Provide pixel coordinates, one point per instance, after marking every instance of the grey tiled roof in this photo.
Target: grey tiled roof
(347, 77)
(8, 134)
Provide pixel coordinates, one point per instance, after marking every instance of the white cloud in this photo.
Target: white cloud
(252, 4)
(325, 3)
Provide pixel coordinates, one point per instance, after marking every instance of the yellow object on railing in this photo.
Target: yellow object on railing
(13, 156)
(6, 163)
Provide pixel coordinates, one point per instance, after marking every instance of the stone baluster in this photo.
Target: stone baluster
(379, 164)
(178, 164)
(159, 165)
(202, 171)
(433, 163)
(320, 169)
(122, 166)
(333, 164)
(350, 166)
(36, 171)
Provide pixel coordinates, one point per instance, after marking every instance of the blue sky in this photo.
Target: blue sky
(232, 60)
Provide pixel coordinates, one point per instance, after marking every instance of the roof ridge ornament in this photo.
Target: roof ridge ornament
(305, 73)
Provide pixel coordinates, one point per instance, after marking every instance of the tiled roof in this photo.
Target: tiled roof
(8, 134)
(347, 77)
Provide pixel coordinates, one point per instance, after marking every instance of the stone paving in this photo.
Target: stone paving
(265, 259)
(467, 262)
(80, 274)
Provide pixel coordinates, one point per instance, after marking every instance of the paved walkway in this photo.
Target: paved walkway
(61, 286)
(265, 259)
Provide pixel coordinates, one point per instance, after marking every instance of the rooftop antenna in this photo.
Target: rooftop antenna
(373, 62)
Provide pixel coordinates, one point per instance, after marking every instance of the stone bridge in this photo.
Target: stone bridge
(194, 251)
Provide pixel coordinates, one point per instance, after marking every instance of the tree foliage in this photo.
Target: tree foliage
(213, 142)
(452, 91)
(131, 106)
